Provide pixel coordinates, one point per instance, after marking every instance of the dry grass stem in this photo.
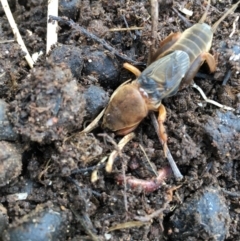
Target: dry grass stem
(211, 101)
(154, 17)
(16, 32)
(7, 41)
(94, 175)
(52, 25)
(94, 123)
(115, 153)
(125, 187)
(185, 11)
(234, 27)
(145, 154)
(125, 29)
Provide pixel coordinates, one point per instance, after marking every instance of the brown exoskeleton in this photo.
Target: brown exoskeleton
(174, 65)
(130, 103)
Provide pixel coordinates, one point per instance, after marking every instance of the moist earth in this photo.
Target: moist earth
(53, 180)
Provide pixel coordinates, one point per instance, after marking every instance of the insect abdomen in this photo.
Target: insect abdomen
(194, 41)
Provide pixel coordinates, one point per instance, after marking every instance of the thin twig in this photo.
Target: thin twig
(125, 29)
(88, 169)
(151, 165)
(234, 26)
(154, 18)
(112, 141)
(125, 187)
(94, 175)
(231, 194)
(171, 161)
(126, 23)
(94, 123)
(117, 152)
(16, 32)
(82, 30)
(130, 224)
(43, 172)
(227, 77)
(6, 41)
(234, 172)
(211, 101)
(185, 20)
(155, 214)
(1, 75)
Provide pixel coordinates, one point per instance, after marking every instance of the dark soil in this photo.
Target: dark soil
(53, 197)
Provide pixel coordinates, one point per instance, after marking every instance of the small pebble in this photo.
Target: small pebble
(71, 56)
(223, 131)
(96, 100)
(40, 225)
(3, 219)
(204, 216)
(10, 162)
(102, 67)
(69, 8)
(6, 129)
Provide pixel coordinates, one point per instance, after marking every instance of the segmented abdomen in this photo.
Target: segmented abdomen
(194, 41)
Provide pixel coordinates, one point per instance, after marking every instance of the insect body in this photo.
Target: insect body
(196, 41)
(174, 64)
(132, 102)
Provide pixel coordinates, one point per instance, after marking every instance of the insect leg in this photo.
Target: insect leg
(165, 45)
(132, 69)
(162, 114)
(195, 67)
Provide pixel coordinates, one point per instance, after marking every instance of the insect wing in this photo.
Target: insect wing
(164, 75)
(175, 71)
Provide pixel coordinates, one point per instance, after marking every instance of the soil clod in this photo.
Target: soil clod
(10, 162)
(204, 216)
